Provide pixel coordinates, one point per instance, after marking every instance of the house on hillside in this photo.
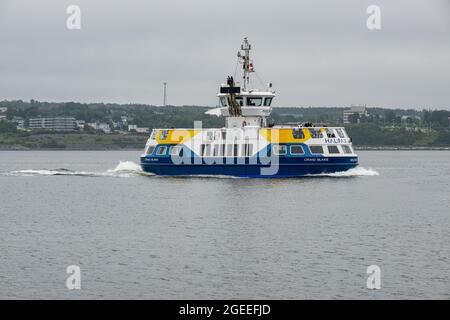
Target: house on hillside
(100, 126)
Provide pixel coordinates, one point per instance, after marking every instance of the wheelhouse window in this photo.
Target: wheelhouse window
(347, 149)
(333, 150)
(161, 151)
(315, 133)
(316, 149)
(254, 101)
(240, 101)
(223, 101)
(297, 150)
(267, 102)
(150, 150)
(298, 133)
(279, 149)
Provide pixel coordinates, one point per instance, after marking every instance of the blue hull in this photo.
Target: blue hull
(286, 168)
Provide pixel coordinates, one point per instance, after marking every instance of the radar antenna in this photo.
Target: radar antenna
(247, 64)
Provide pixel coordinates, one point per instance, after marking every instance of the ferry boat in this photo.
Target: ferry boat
(248, 145)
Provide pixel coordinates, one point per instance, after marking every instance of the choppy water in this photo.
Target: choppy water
(140, 236)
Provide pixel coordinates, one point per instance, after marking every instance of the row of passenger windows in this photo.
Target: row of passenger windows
(246, 150)
(296, 132)
(281, 149)
(162, 150)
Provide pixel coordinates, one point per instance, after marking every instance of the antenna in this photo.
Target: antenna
(244, 56)
(165, 94)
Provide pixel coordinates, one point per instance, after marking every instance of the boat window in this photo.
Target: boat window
(330, 133)
(161, 151)
(279, 149)
(267, 102)
(240, 101)
(164, 134)
(229, 150)
(298, 133)
(153, 135)
(175, 150)
(150, 149)
(207, 150)
(347, 149)
(210, 135)
(254, 101)
(296, 150)
(316, 149)
(223, 101)
(236, 150)
(340, 133)
(333, 149)
(216, 150)
(247, 150)
(315, 133)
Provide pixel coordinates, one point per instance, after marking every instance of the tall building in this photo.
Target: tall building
(56, 124)
(359, 110)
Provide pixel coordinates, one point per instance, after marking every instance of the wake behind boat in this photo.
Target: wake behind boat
(248, 146)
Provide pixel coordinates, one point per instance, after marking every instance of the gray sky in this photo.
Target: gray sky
(316, 52)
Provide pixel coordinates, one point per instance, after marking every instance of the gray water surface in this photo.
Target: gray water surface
(137, 236)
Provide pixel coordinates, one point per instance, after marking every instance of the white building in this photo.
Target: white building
(80, 124)
(359, 110)
(19, 121)
(55, 124)
(143, 130)
(101, 126)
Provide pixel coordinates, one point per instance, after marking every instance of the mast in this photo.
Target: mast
(247, 64)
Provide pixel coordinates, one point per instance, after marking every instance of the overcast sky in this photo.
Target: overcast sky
(315, 52)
